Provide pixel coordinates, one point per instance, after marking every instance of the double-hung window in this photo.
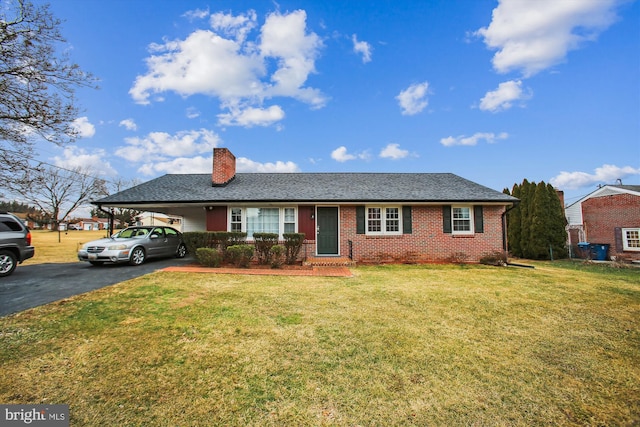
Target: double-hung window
(631, 239)
(236, 220)
(383, 220)
(289, 220)
(262, 220)
(461, 217)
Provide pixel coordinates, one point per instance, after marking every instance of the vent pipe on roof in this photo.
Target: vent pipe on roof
(224, 167)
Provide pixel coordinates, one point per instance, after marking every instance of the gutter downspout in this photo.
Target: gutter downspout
(504, 227)
(504, 237)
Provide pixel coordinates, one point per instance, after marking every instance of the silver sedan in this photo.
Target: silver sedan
(134, 245)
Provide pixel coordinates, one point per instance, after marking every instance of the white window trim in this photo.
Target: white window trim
(243, 213)
(472, 226)
(383, 219)
(625, 242)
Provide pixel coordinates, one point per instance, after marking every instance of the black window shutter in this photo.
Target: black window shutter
(406, 220)
(478, 219)
(446, 219)
(618, 237)
(360, 220)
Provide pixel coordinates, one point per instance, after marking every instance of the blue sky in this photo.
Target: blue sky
(495, 92)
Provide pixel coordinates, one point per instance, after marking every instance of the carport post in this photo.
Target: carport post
(111, 218)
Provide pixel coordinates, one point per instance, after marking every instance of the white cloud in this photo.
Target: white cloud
(503, 98)
(246, 165)
(489, 138)
(605, 174)
(252, 116)
(197, 14)
(532, 36)
(234, 26)
(84, 128)
(284, 38)
(95, 162)
(362, 48)
(393, 151)
(203, 63)
(129, 124)
(413, 99)
(340, 155)
(161, 145)
(224, 63)
(192, 113)
(180, 165)
(201, 164)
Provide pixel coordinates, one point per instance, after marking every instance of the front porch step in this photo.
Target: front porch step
(329, 262)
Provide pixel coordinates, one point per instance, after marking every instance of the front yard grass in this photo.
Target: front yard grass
(394, 345)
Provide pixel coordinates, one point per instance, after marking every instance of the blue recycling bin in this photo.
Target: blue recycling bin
(599, 251)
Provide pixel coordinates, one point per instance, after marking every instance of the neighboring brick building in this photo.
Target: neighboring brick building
(610, 215)
(371, 217)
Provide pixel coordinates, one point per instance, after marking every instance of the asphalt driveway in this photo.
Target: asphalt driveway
(37, 284)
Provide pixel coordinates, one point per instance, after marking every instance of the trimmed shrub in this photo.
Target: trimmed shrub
(208, 257)
(292, 245)
(458, 258)
(198, 239)
(240, 255)
(230, 238)
(276, 254)
(264, 242)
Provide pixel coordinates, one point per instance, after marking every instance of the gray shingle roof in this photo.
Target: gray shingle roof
(309, 187)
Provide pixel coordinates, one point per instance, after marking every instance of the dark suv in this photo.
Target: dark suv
(15, 243)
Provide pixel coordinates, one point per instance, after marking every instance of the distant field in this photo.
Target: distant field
(52, 246)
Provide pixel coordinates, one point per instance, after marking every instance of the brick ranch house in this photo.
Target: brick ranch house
(609, 215)
(370, 217)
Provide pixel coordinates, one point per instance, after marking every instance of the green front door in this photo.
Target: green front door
(327, 230)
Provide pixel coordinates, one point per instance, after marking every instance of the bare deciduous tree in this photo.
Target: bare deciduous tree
(37, 83)
(56, 191)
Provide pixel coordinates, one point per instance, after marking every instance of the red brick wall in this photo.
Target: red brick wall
(601, 216)
(426, 243)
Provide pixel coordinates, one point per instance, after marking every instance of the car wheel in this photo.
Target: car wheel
(8, 263)
(96, 263)
(182, 251)
(137, 256)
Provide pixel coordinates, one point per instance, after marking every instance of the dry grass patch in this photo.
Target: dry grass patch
(395, 345)
(52, 246)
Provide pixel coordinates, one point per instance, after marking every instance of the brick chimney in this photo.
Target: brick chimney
(224, 167)
(560, 194)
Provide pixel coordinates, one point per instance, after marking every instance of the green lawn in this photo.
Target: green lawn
(394, 345)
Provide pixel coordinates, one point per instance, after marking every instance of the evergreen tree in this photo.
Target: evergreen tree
(526, 194)
(514, 228)
(557, 225)
(539, 231)
(536, 227)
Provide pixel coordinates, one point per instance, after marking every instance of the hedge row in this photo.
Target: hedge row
(211, 248)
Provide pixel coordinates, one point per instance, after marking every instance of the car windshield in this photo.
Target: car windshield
(128, 233)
